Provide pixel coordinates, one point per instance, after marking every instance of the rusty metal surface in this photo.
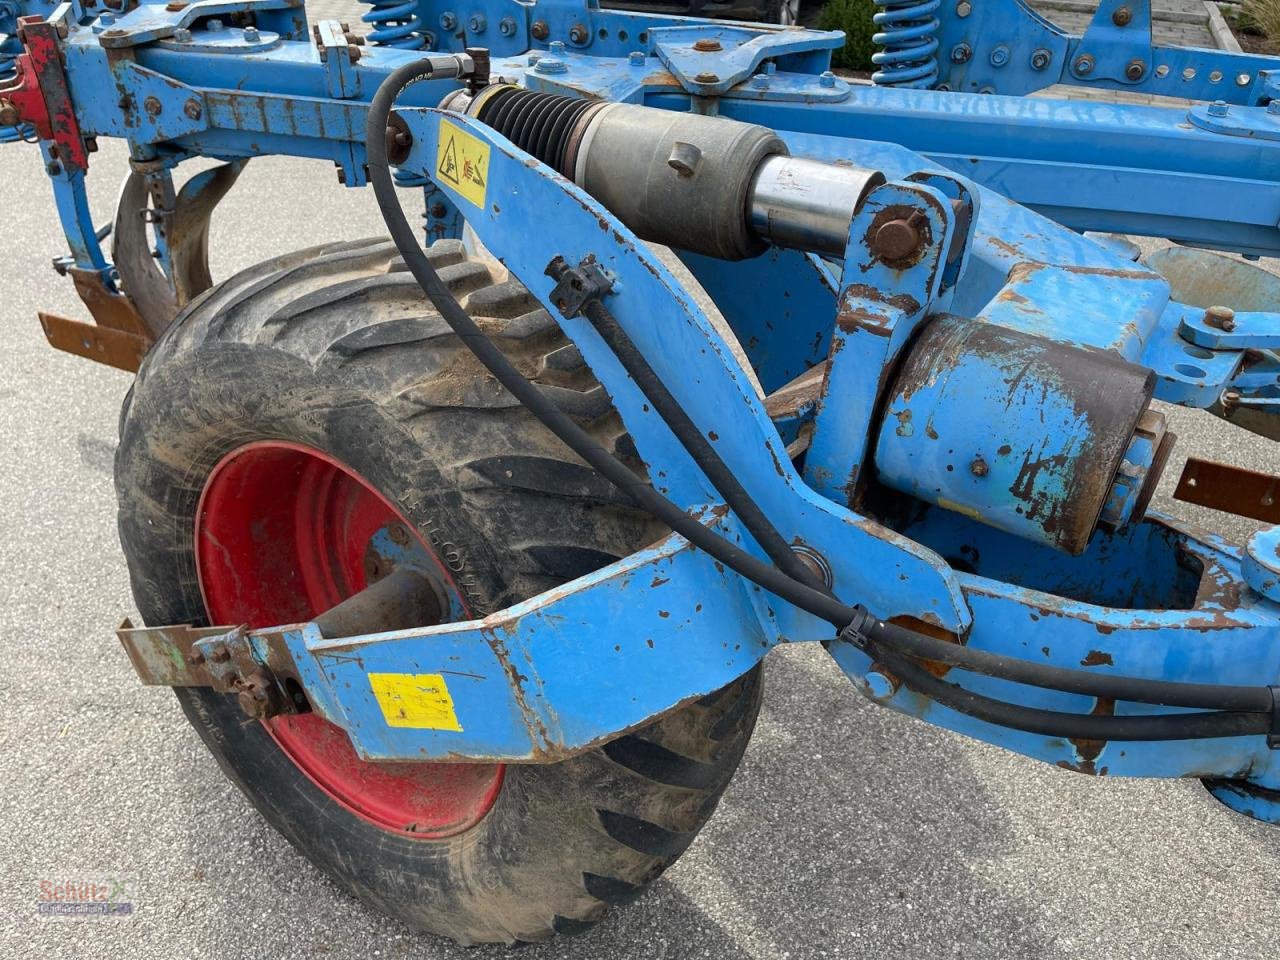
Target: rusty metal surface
(804, 391)
(162, 656)
(1022, 433)
(1221, 486)
(115, 348)
(400, 600)
(157, 298)
(121, 337)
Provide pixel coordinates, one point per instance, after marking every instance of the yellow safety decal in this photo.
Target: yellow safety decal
(419, 700)
(462, 162)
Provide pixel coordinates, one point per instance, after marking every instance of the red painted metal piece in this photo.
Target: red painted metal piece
(40, 93)
(282, 534)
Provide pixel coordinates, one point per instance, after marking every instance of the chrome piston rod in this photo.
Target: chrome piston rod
(710, 185)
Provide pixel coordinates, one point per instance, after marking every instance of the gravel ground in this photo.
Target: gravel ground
(849, 831)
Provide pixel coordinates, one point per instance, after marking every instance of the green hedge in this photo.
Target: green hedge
(854, 18)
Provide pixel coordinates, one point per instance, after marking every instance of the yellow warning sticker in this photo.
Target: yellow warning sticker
(419, 700)
(462, 162)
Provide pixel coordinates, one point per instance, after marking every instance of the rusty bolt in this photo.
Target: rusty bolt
(979, 467)
(439, 211)
(193, 109)
(114, 32)
(9, 116)
(578, 34)
(1122, 16)
(396, 531)
(353, 52)
(707, 77)
(153, 106)
(1083, 65)
(540, 30)
(176, 5)
(898, 239)
(220, 654)
(707, 45)
(195, 658)
(259, 697)
(1135, 70)
(1223, 318)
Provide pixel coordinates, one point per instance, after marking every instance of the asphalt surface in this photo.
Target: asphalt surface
(849, 831)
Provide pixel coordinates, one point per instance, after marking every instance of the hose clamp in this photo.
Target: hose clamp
(577, 286)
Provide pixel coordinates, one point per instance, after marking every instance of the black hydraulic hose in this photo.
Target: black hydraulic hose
(698, 447)
(1168, 693)
(883, 638)
(1052, 723)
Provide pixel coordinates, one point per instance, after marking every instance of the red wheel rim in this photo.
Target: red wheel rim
(283, 533)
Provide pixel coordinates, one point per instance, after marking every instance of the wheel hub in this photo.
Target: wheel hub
(285, 532)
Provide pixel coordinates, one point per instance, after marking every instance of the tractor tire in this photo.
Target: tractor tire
(309, 400)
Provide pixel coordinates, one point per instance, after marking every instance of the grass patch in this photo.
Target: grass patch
(854, 18)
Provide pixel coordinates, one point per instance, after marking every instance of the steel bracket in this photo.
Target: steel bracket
(885, 294)
(1117, 44)
(710, 60)
(149, 22)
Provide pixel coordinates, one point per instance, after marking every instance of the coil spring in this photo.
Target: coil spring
(908, 33)
(396, 24)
